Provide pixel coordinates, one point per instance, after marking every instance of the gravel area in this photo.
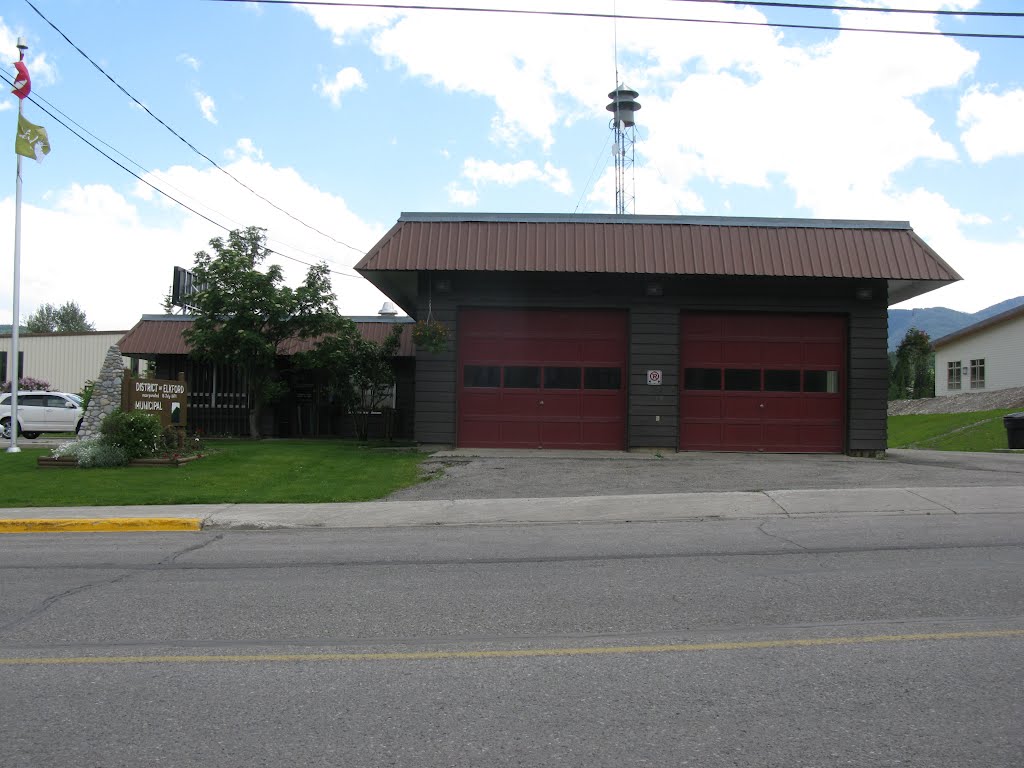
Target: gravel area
(965, 402)
(540, 474)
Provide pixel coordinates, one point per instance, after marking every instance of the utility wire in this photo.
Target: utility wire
(183, 139)
(580, 14)
(126, 169)
(867, 8)
(604, 148)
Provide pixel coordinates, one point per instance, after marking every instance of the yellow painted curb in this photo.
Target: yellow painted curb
(99, 524)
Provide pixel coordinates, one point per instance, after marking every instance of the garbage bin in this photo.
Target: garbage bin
(1014, 423)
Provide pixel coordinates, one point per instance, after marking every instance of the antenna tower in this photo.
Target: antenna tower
(623, 124)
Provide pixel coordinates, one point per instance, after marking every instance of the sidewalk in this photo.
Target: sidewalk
(576, 509)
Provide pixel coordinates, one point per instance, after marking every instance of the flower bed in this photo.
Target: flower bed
(70, 462)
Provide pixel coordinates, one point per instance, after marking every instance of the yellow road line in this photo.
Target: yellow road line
(72, 524)
(512, 653)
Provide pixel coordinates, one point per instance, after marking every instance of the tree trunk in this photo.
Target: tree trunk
(255, 418)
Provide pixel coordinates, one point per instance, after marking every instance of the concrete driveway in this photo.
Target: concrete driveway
(497, 474)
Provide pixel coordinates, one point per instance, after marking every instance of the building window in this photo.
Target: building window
(978, 373)
(3, 366)
(953, 375)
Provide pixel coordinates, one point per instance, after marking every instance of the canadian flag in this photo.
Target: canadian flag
(22, 82)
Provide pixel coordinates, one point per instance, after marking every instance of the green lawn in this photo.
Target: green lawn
(239, 471)
(976, 431)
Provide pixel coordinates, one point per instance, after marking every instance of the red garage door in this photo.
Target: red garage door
(762, 382)
(542, 378)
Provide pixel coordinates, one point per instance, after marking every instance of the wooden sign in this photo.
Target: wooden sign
(164, 398)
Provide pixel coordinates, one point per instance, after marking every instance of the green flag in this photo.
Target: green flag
(32, 140)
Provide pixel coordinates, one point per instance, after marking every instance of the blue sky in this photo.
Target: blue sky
(345, 118)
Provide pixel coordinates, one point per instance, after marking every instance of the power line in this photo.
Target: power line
(584, 15)
(867, 8)
(183, 139)
(126, 169)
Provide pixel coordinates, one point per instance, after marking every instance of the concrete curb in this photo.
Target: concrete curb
(99, 524)
(731, 505)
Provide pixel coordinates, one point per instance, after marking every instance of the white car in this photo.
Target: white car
(42, 412)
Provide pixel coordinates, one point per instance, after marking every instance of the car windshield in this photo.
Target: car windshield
(77, 400)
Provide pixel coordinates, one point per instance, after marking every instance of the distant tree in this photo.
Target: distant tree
(243, 314)
(360, 372)
(912, 368)
(67, 318)
(167, 304)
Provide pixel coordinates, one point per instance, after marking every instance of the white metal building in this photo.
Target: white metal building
(65, 360)
(988, 355)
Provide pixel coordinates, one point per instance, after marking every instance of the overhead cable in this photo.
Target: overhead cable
(33, 98)
(184, 140)
(865, 8)
(585, 15)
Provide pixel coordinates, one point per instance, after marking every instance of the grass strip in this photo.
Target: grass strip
(235, 471)
(973, 431)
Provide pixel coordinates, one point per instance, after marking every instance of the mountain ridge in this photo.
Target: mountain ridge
(940, 321)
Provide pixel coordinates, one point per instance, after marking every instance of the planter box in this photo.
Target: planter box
(69, 463)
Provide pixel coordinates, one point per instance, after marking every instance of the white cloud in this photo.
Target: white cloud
(464, 197)
(243, 148)
(346, 79)
(206, 106)
(189, 60)
(41, 71)
(994, 123)
(119, 252)
(480, 172)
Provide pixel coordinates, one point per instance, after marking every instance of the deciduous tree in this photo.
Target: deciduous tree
(359, 372)
(67, 318)
(243, 313)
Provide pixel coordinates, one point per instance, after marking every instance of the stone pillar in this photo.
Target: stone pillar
(106, 394)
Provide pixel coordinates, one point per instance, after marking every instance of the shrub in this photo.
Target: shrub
(92, 453)
(136, 433)
(28, 384)
(86, 394)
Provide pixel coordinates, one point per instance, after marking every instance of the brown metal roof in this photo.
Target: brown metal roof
(162, 335)
(670, 245)
(652, 245)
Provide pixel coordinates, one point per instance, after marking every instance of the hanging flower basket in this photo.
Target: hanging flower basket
(430, 335)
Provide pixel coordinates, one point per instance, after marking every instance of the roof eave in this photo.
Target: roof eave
(903, 290)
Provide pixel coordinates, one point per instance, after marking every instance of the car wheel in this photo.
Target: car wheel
(5, 428)
(78, 427)
(30, 435)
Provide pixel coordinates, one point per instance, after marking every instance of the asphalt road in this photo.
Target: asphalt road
(860, 641)
(469, 474)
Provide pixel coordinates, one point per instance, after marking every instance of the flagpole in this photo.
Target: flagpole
(16, 309)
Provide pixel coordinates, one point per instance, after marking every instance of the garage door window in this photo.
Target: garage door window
(522, 377)
(821, 381)
(561, 378)
(602, 378)
(742, 379)
(481, 376)
(781, 381)
(702, 378)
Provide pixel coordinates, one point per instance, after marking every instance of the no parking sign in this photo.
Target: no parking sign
(654, 378)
